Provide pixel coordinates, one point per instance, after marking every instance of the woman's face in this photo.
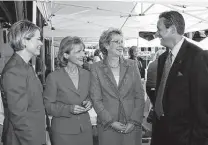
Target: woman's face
(135, 52)
(34, 45)
(76, 55)
(116, 45)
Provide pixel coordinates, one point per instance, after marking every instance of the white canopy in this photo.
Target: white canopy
(140, 42)
(87, 19)
(155, 43)
(204, 43)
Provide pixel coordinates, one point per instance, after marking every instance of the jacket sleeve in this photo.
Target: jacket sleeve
(138, 112)
(199, 93)
(53, 107)
(96, 96)
(14, 83)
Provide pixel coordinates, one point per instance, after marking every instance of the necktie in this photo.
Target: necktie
(158, 104)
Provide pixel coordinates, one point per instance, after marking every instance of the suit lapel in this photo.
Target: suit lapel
(83, 82)
(67, 80)
(123, 70)
(108, 73)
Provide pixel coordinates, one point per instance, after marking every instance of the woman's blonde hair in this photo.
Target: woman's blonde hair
(20, 30)
(66, 45)
(106, 37)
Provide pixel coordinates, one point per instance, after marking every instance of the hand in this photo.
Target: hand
(78, 109)
(87, 105)
(129, 128)
(118, 126)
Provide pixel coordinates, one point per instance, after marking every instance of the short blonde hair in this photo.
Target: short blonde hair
(20, 30)
(106, 37)
(66, 45)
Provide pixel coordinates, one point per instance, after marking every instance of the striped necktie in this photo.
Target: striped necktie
(159, 98)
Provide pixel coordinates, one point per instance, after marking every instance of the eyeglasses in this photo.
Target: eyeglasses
(117, 41)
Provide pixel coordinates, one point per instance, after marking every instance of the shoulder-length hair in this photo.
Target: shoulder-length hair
(19, 31)
(106, 37)
(66, 45)
(131, 52)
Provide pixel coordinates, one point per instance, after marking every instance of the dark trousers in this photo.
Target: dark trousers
(160, 134)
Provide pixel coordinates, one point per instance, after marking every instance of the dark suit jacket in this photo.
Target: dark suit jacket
(105, 93)
(183, 97)
(24, 122)
(60, 95)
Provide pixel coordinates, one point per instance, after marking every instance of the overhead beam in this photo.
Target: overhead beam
(6, 11)
(19, 8)
(128, 16)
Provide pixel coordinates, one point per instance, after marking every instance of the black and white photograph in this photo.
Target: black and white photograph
(119, 72)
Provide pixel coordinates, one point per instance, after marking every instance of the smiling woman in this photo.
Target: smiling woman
(66, 96)
(117, 93)
(22, 90)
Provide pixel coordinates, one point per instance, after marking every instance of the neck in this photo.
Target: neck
(24, 55)
(113, 61)
(175, 41)
(71, 68)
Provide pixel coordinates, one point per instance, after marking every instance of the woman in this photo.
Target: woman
(97, 55)
(66, 96)
(24, 111)
(117, 93)
(133, 54)
(152, 76)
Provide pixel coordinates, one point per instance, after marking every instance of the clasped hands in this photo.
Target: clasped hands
(78, 109)
(123, 128)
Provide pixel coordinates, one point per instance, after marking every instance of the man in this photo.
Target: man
(180, 116)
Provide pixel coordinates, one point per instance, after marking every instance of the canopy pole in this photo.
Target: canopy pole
(34, 15)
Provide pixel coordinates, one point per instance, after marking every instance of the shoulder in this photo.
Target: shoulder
(130, 62)
(96, 65)
(192, 47)
(55, 74)
(14, 68)
(202, 56)
(85, 71)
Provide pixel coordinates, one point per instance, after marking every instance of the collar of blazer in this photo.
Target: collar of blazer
(83, 81)
(108, 75)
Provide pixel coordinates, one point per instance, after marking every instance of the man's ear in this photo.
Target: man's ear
(173, 29)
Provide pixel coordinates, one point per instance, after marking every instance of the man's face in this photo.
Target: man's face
(165, 34)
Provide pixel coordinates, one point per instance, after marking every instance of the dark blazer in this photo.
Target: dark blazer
(106, 94)
(24, 111)
(60, 95)
(183, 99)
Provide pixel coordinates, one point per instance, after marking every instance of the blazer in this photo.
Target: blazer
(183, 98)
(24, 122)
(60, 95)
(106, 95)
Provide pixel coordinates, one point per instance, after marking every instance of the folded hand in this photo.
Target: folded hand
(118, 126)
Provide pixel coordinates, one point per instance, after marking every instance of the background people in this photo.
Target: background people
(133, 54)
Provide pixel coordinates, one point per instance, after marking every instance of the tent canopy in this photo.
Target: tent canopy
(87, 19)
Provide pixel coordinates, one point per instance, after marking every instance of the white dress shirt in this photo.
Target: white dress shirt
(176, 49)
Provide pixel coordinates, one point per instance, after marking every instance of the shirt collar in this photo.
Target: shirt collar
(177, 47)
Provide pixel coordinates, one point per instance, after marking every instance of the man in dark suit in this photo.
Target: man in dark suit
(180, 116)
